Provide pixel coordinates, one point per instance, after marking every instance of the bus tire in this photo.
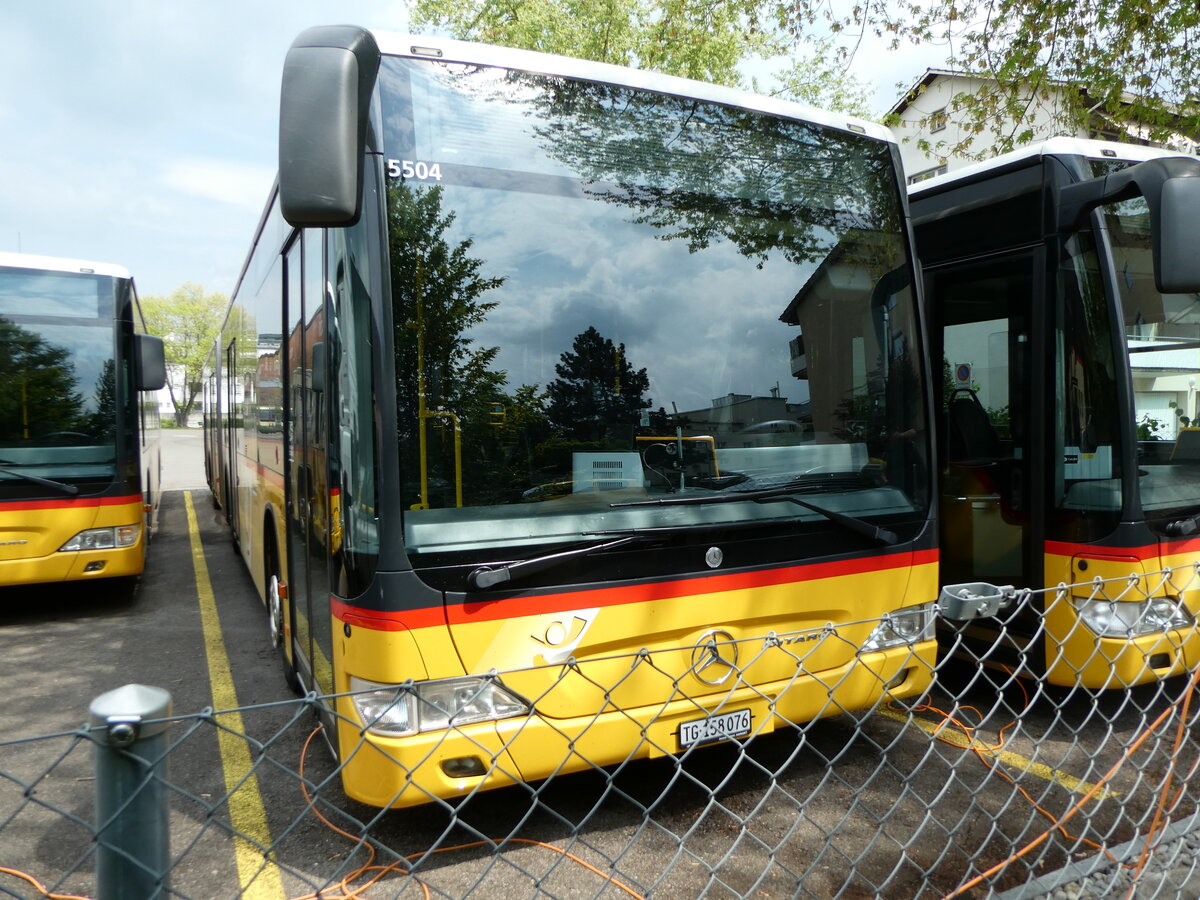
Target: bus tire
(276, 618)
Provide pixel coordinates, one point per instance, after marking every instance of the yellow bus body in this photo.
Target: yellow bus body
(31, 533)
(627, 680)
(1077, 656)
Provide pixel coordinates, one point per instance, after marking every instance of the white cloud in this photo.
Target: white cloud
(234, 182)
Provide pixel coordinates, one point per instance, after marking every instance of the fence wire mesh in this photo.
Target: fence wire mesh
(995, 782)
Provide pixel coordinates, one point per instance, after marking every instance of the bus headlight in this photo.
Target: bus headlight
(398, 710)
(902, 627)
(103, 538)
(1132, 618)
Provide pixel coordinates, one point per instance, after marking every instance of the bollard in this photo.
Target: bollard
(132, 832)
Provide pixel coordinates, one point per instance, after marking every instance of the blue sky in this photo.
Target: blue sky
(142, 132)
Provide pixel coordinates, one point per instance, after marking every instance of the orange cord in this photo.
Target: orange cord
(4, 870)
(1058, 824)
(349, 892)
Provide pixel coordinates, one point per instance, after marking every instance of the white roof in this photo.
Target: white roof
(1057, 146)
(447, 50)
(59, 264)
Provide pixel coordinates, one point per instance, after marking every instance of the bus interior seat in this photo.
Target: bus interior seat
(971, 438)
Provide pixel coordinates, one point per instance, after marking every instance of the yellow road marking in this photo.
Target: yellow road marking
(949, 733)
(258, 876)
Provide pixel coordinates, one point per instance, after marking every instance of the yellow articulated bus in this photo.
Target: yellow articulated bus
(79, 460)
(1061, 282)
(567, 414)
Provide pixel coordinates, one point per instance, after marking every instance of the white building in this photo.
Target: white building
(935, 137)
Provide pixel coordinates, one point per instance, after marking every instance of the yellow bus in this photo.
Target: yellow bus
(79, 458)
(482, 415)
(1061, 283)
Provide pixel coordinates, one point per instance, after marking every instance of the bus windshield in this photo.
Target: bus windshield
(604, 295)
(58, 392)
(1162, 335)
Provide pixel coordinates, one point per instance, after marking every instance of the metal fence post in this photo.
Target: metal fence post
(132, 834)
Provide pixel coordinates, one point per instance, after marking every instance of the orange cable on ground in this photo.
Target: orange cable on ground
(1108, 776)
(15, 873)
(350, 892)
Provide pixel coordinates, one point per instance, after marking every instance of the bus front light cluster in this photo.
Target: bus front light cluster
(1132, 618)
(394, 710)
(902, 627)
(103, 538)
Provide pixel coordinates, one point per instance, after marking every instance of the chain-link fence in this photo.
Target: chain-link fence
(997, 782)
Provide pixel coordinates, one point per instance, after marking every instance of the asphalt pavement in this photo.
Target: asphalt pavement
(183, 459)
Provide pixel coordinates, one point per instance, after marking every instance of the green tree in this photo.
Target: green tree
(437, 296)
(189, 322)
(597, 393)
(38, 387)
(709, 40)
(1131, 62)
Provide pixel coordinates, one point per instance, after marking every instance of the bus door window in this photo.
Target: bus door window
(231, 406)
(1086, 472)
(984, 311)
(315, 437)
(296, 476)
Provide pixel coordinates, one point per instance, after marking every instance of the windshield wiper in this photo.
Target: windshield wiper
(44, 482)
(1182, 527)
(491, 574)
(776, 495)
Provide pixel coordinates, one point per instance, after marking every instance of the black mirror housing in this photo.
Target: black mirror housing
(328, 79)
(150, 363)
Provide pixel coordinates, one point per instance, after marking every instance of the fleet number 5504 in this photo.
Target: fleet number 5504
(409, 169)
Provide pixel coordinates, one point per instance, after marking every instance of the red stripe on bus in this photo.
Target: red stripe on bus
(1142, 552)
(6, 505)
(538, 604)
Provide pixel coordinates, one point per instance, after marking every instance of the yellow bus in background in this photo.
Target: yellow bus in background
(1061, 282)
(79, 455)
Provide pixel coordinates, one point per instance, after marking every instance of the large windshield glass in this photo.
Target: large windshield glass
(58, 391)
(1162, 334)
(603, 296)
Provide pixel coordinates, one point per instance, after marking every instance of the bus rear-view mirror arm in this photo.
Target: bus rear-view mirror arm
(1171, 187)
(151, 362)
(324, 104)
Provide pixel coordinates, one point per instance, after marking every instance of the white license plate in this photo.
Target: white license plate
(720, 727)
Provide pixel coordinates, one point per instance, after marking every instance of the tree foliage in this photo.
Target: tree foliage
(596, 389)
(188, 321)
(39, 392)
(708, 40)
(1132, 63)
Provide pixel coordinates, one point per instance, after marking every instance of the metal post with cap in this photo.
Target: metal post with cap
(132, 829)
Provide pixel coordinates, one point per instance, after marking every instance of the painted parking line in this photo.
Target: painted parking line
(259, 877)
(952, 735)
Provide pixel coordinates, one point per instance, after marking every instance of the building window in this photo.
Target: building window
(927, 174)
(938, 120)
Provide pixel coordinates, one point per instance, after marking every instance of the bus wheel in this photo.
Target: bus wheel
(276, 597)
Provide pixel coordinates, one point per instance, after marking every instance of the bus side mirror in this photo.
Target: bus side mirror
(1171, 186)
(1177, 237)
(324, 104)
(150, 363)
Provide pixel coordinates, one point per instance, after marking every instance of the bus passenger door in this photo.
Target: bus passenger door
(307, 489)
(229, 424)
(295, 475)
(982, 312)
